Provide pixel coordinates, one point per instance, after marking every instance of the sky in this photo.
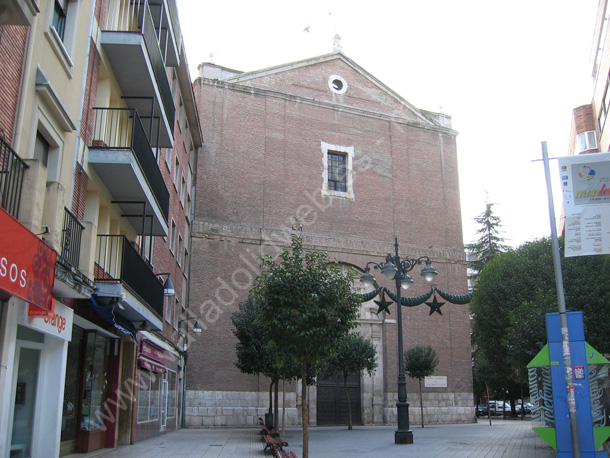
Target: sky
(508, 73)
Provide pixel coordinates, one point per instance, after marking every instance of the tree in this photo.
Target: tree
(420, 362)
(255, 354)
(306, 305)
(489, 243)
(516, 290)
(354, 354)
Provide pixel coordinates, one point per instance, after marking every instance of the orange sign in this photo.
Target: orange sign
(27, 264)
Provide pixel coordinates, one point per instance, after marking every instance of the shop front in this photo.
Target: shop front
(157, 399)
(34, 333)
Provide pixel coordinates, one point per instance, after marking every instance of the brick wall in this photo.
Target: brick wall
(262, 165)
(12, 50)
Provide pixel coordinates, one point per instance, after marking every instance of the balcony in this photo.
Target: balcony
(69, 280)
(12, 169)
(123, 277)
(123, 159)
(138, 52)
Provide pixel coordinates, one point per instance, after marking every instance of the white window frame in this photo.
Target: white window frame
(586, 141)
(64, 49)
(349, 176)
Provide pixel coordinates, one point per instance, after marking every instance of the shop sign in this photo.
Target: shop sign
(27, 264)
(149, 365)
(59, 324)
(153, 352)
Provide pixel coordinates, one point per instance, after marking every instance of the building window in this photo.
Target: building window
(336, 172)
(604, 108)
(187, 262)
(168, 308)
(59, 20)
(337, 84)
(182, 191)
(176, 173)
(171, 394)
(338, 177)
(586, 141)
(62, 28)
(168, 158)
(148, 396)
(179, 250)
(172, 237)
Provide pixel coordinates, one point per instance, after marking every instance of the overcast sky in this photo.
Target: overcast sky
(509, 73)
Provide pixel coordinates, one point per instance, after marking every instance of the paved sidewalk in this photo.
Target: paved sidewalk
(505, 438)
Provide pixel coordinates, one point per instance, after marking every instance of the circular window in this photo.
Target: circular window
(337, 84)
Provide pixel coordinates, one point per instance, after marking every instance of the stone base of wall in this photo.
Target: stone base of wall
(439, 408)
(209, 409)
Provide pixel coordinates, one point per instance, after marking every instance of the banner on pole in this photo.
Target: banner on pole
(585, 185)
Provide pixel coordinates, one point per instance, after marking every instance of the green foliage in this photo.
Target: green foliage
(420, 361)
(512, 296)
(354, 354)
(255, 354)
(489, 243)
(306, 302)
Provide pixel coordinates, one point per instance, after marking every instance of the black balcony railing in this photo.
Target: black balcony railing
(156, 60)
(12, 169)
(71, 236)
(136, 16)
(117, 261)
(119, 128)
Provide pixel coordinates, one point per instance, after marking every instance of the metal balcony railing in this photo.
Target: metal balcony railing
(120, 128)
(117, 261)
(71, 236)
(135, 16)
(12, 170)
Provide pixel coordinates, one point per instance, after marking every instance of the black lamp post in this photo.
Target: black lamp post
(397, 269)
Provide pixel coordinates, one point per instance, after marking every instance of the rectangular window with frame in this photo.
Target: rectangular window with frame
(59, 20)
(179, 251)
(172, 238)
(148, 396)
(176, 173)
(586, 141)
(337, 176)
(168, 308)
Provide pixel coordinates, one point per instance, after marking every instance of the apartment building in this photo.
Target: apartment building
(99, 143)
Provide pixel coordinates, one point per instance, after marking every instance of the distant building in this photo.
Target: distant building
(324, 141)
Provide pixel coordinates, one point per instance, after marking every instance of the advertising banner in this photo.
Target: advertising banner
(585, 185)
(27, 264)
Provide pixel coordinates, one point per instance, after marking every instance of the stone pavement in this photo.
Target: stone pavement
(504, 438)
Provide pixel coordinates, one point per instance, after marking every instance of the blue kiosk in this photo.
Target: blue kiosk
(550, 413)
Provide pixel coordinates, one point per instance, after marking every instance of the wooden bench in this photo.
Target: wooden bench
(278, 453)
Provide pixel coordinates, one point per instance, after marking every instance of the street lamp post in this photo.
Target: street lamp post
(397, 269)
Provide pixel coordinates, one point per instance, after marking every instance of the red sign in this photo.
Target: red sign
(151, 351)
(38, 312)
(27, 264)
(149, 365)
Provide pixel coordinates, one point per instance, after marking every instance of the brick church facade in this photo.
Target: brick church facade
(325, 142)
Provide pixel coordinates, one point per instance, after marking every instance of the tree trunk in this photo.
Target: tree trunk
(488, 410)
(283, 408)
(305, 409)
(349, 405)
(421, 404)
(271, 397)
(276, 408)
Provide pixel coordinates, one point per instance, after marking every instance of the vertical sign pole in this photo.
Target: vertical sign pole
(567, 358)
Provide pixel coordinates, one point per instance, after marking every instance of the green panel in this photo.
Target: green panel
(600, 434)
(594, 357)
(542, 358)
(549, 436)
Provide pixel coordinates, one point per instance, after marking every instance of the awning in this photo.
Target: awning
(107, 313)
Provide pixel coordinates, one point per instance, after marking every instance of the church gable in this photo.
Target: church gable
(337, 80)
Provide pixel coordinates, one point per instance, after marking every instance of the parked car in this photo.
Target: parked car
(495, 407)
(480, 410)
(527, 408)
